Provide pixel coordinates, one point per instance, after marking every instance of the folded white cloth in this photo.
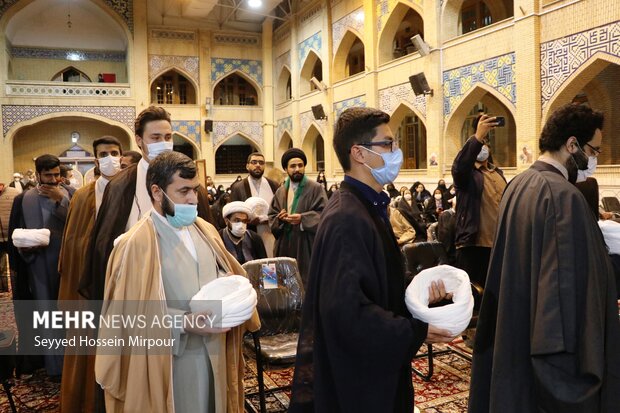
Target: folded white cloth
(29, 238)
(259, 207)
(451, 317)
(611, 233)
(237, 296)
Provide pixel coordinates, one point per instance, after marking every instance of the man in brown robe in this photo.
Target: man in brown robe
(78, 387)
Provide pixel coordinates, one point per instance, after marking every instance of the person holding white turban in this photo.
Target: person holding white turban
(243, 243)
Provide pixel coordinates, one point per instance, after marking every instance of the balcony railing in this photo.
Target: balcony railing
(67, 89)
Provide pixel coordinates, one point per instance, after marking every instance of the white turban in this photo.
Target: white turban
(236, 206)
(453, 317)
(29, 238)
(259, 207)
(611, 233)
(236, 295)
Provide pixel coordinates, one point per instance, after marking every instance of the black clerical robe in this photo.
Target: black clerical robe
(548, 335)
(111, 222)
(357, 338)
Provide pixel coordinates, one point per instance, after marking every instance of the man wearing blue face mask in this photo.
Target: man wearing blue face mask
(479, 188)
(126, 198)
(168, 256)
(357, 338)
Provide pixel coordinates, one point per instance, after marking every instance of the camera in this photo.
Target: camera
(501, 121)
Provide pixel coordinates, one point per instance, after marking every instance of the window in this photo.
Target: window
(70, 74)
(172, 88)
(355, 59)
(234, 90)
(474, 15)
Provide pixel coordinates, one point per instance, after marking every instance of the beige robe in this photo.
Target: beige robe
(143, 383)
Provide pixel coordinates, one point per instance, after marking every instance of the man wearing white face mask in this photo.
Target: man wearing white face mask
(244, 244)
(479, 188)
(354, 302)
(78, 385)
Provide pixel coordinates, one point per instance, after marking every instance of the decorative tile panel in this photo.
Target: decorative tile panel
(221, 67)
(560, 58)
(158, 64)
(236, 38)
(223, 129)
(281, 61)
(124, 8)
(390, 98)
(339, 107)
(167, 34)
(283, 125)
(498, 73)
(385, 8)
(353, 20)
(311, 43)
(306, 119)
(189, 128)
(95, 90)
(14, 114)
(67, 54)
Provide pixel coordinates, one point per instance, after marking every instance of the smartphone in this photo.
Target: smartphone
(501, 121)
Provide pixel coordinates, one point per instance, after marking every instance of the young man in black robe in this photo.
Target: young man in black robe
(548, 332)
(357, 338)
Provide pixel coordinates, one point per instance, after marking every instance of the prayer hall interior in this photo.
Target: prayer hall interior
(245, 76)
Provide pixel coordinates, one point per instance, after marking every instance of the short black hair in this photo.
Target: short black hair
(46, 162)
(150, 114)
(354, 126)
(134, 155)
(63, 170)
(569, 120)
(255, 154)
(107, 140)
(163, 168)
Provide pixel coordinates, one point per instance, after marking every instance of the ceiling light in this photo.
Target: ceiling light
(255, 3)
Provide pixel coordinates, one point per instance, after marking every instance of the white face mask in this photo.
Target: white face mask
(583, 175)
(437, 197)
(483, 155)
(110, 165)
(73, 181)
(238, 228)
(408, 197)
(158, 148)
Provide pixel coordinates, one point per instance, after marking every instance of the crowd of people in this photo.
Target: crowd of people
(147, 229)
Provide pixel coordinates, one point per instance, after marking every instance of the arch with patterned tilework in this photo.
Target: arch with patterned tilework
(245, 77)
(305, 86)
(283, 85)
(414, 153)
(390, 29)
(313, 146)
(451, 25)
(341, 58)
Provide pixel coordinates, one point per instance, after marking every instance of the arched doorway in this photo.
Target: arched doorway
(595, 85)
(185, 145)
(56, 136)
(464, 16)
(314, 148)
(284, 91)
(503, 141)
(313, 67)
(232, 155)
(395, 41)
(235, 90)
(173, 88)
(286, 142)
(349, 59)
(410, 133)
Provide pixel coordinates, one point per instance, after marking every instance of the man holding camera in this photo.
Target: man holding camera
(479, 188)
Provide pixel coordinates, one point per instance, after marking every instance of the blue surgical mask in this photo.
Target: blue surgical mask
(483, 155)
(392, 162)
(184, 214)
(158, 147)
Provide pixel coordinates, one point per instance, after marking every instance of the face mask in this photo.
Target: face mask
(184, 214)
(391, 166)
(157, 148)
(583, 175)
(483, 155)
(238, 228)
(581, 159)
(408, 197)
(73, 181)
(453, 192)
(437, 197)
(110, 165)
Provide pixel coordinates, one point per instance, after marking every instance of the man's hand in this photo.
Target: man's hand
(51, 191)
(437, 335)
(294, 219)
(485, 124)
(201, 324)
(282, 215)
(606, 215)
(437, 292)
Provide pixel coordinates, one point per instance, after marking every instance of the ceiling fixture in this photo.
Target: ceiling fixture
(255, 4)
(69, 13)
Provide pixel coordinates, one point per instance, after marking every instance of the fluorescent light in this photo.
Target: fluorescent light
(255, 3)
(74, 56)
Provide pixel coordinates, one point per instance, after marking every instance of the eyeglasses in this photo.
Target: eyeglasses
(383, 144)
(256, 162)
(597, 150)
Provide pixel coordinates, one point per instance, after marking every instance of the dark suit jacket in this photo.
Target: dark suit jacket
(240, 191)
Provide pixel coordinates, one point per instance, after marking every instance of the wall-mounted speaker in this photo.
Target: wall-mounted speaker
(420, 85)
(208, 125)
(421, 45)
(318, 112)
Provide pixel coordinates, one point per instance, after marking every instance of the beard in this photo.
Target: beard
(166, 207)
(256, 173)
(581, 160)
(297, 177)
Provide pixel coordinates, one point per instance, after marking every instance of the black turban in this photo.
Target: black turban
(293, 153)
